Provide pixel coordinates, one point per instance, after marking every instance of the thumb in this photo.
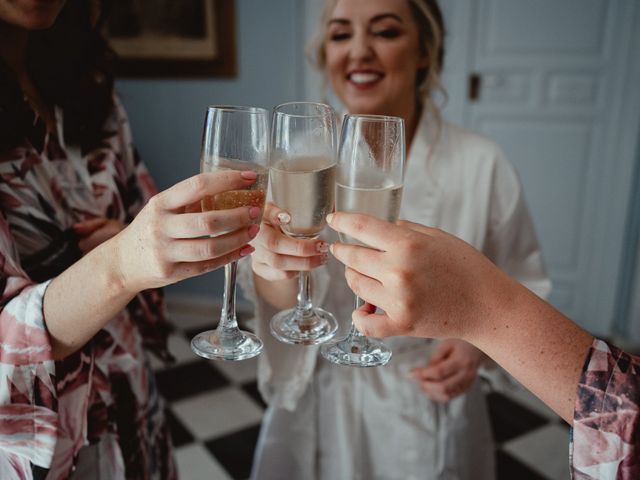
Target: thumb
(373, 324)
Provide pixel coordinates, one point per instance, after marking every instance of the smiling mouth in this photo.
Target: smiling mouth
(364, 78)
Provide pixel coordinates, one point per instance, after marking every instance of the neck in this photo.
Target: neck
(13, 47)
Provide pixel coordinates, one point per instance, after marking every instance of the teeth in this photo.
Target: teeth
(364, 77)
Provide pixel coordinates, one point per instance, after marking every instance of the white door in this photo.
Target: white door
(558, 90)
(556, 85)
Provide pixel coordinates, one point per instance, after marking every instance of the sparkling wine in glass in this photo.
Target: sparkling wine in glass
(303, 175)
(234, 138)
(370, 176)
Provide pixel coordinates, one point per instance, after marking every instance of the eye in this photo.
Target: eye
(388, 33)
(339, 36)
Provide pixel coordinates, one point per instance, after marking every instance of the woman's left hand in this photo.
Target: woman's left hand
(451, 370)
(96, 231)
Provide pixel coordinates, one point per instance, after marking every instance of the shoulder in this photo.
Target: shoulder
(477, 151)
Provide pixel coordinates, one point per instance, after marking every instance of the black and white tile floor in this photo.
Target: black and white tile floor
(215, 412)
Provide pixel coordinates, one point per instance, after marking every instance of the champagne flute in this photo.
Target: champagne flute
(234, 138)
(371, 165)
(303, 171)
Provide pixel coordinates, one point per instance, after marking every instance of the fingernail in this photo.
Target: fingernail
(249, 175)
(246, 250)
(254, 212)
(322, 247)
(283, 218)
(331, 249)
(330, 218)
(253, 230)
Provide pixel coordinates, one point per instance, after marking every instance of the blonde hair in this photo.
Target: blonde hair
(431, 33)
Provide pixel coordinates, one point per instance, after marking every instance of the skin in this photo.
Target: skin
(167, 242)
(432, 284)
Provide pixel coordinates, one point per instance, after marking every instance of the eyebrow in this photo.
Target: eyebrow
(377, 18)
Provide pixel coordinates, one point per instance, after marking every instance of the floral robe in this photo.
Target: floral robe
(104, 394)
(606, 425)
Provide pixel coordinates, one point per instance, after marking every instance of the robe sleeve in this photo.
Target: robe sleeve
(28, 397)
(605, 438)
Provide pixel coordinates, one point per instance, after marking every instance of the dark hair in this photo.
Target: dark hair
(69, 65)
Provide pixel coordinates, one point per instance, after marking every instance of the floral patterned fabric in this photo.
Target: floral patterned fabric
(606, 427)
(104, 394)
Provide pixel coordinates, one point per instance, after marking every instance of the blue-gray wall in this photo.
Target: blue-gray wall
(167, 115)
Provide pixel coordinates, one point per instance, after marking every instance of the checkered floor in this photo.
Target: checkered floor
(215, 412)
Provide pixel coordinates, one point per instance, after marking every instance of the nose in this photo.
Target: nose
(361, 48)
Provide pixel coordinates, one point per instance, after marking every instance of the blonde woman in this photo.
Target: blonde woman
(424, 414)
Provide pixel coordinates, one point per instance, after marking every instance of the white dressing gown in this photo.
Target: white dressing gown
(331, 422)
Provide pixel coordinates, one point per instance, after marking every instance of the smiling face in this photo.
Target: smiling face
(373, 55)
(30, 14)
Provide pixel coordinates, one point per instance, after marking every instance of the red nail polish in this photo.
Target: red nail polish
(246, 250)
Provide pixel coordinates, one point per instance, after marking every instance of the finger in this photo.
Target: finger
(367, 261)
(452, 386)
(371, 231)
(374, 324)
(440, 371)
(195, 188)
(85, 228)
(192, 225)
(194, 207)
(274, 240)
(275, 215)
(417, 227)
(200, 249)
(191, 269)
(440, 352)
(367, 288)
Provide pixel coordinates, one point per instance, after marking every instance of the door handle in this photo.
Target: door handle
(475, 86)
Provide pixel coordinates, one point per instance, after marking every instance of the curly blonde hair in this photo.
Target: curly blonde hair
(431, 33)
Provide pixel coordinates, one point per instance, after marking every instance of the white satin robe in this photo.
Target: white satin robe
(332, 422)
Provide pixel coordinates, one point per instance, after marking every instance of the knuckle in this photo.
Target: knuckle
(208, 249)
(198, 184)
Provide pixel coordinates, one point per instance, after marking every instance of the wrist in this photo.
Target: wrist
(120, 276)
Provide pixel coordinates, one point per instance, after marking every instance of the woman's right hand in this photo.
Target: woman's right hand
(168, 241)
(279, 257)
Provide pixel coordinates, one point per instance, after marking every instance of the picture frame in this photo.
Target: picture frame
(170, 38)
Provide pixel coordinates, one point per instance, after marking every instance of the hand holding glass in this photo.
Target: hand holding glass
(235, 138)
(302, 169)
(370, 176)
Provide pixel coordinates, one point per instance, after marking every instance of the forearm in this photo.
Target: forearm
(280, 294)
(83, 298)
(539, 346)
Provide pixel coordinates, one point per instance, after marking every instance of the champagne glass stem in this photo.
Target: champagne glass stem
(304, 305)
(228, 326)
(354, 333)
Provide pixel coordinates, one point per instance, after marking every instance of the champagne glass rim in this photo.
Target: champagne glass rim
(372, 117)
(324, 109)
(238, 108)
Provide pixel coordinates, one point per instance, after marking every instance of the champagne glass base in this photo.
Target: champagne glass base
(309, 328)
(357, 352)
(216, 346)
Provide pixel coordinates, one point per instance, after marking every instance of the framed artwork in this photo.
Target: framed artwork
(172, 38)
